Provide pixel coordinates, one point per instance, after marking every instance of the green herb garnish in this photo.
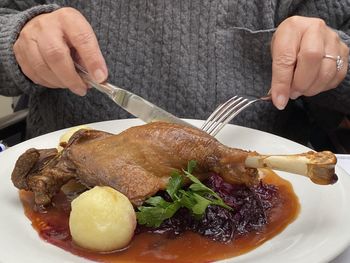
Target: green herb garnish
(196, 198)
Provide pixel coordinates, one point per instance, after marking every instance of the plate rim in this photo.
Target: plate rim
(134, 122)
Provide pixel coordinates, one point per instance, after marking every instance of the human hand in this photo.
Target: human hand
(45, 46)
(299, 66)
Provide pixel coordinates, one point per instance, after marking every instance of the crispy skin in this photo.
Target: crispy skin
(137, 162)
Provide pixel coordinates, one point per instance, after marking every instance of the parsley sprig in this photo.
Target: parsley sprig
(196, 198)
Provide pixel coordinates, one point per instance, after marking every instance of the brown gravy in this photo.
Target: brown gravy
(52, 226)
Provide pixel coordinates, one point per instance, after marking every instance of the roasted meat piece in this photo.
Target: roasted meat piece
(137, 162)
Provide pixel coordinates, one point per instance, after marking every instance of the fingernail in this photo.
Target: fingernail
(281, 102)
(99, 75)
(294, 95)
(80, 92)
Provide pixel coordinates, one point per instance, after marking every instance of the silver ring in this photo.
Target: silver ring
(339, 62)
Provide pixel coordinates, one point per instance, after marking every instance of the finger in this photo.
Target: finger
(309, 60)
(26, 67)
(284, 53)
(328, 70)
(325, 76)
(81, 36)
(40, 67)
(56, 55)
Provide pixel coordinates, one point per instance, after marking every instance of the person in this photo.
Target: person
(185, 56)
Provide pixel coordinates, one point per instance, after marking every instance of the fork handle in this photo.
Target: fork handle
(267, 97)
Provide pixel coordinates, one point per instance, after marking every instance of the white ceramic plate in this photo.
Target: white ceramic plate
(320, 233)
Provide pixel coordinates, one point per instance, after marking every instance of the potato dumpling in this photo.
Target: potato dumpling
(66, 136)
(102, 219)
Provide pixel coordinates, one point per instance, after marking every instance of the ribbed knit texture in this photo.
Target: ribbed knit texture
(185, 56)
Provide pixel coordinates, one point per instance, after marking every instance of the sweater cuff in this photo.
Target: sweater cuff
(11, 26)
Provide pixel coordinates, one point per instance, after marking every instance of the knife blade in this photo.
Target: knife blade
(132, 103)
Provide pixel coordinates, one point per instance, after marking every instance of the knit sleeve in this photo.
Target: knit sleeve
(12, 19)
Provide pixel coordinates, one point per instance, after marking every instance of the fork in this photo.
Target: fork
(227, 111)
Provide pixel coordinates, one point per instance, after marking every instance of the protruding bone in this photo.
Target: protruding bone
(318, 166)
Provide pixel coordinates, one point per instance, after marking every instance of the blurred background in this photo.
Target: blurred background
(12, 121)
(5, 106)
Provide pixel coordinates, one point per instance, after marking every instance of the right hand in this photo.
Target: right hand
(45, 46)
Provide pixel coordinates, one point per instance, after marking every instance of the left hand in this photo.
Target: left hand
(299, 67)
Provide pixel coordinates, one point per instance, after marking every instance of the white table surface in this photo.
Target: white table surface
(344, 162)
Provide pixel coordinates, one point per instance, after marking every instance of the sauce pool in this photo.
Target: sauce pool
(52, 226)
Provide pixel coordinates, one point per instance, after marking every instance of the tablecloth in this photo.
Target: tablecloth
(344, 162)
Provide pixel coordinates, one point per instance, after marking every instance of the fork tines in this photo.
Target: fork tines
(225, 113)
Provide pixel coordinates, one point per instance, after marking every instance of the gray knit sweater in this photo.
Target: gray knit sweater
(186, 56)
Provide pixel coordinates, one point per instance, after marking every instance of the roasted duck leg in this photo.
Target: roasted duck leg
(138, 162)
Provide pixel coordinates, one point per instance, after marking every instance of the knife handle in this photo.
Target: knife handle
(103, 87)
